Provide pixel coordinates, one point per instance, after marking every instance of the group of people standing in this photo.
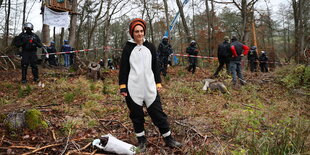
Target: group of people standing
(29, 42)
(139, 74)
(231, 53)
(68, 57)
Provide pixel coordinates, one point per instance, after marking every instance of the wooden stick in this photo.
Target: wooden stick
(44, 147)
(190, 128)
(68, 138)
(1, 140)
(93, 152)
(54, 135)
(18, 147)
(104, 120)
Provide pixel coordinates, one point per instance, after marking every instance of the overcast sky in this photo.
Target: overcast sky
(36, 18)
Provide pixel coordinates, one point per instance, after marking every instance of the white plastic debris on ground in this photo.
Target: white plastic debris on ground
(115, 145)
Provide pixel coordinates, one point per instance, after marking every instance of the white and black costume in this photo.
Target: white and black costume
(139, 77)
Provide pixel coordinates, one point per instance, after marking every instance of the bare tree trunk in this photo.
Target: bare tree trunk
(61, 40)
(45, 33)
(150, 20)
(246, 7)
(72, 30)
(92, 29)
(106, 34)
(1, 1)
(186, 29)
(7, 23)
(193, 23)
(209, 26)
(167, 17)
(24, 13)
(210, 20)
(78, 33)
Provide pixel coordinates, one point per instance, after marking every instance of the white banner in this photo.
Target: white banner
(57, 19)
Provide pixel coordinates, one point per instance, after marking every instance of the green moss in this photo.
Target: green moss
(2, 118)
(34, 119)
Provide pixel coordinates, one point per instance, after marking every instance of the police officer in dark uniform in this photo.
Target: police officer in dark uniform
(164, 50)
(263, 62)
(29, 42)
(52, 57)
(193, 51)
(253, 58)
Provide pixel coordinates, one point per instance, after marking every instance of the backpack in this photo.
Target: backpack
(17, 41)
(224, 50)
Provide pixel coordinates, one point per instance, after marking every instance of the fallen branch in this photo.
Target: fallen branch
(104, 120)
(250, 106)
(1, 140)
(18, 147)
(54, 135)
(68, 138)
(12, 63)
(182, 124)
(79, 150)
(44, 147)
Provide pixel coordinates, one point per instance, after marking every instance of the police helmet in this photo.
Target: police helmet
(66, 41)
(28, 25)
(253, 47)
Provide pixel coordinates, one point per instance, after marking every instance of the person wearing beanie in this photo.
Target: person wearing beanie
(238, 51)
(223, 55)
(140, 81)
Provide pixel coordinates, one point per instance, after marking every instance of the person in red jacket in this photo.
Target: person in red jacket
(238, 51)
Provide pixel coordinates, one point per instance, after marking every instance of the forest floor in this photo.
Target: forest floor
(262, 116)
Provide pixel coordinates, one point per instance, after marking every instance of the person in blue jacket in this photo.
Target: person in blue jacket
(66, 48)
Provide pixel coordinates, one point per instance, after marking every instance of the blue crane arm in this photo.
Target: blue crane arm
(175, 19)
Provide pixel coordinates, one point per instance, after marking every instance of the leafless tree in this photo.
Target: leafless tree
(301, 20)
(167, 17)
(186, 29)
(246, 7)
(7, 22)
(72, 32)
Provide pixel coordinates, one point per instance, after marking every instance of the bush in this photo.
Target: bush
(296, 76)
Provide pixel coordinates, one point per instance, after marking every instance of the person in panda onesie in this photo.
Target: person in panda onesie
(139, 81)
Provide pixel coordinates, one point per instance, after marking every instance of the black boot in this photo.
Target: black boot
(171, 142)
(24, 75)
(35, 74)
(142, 143)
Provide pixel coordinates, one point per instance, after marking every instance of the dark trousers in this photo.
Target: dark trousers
(222, 62)
(52, 60)
(253, 65)
(159, 118)
(163, 65)
(29, 58)
(263, 67)
(192, 64)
